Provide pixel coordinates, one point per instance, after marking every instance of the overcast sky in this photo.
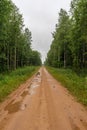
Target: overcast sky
(40, 16)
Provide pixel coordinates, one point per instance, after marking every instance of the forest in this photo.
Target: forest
(69, 44)
(67, 58)
(15, 39)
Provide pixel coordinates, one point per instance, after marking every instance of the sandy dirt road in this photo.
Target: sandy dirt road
(42, 104)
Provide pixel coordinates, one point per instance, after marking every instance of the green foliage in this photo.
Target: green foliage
(69, 45)
(15, 39)
(35, 58)
(60, 45)
(11, 81)
(76, 84)
(69, 50)
(15, 49)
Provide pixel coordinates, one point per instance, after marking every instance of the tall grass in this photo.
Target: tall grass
(76, 84)
(11, 81)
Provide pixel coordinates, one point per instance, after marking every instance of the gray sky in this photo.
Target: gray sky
(40, 17)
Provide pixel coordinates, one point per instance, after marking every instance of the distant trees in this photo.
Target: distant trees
(35, 58)
(15, 41)
(69, 45)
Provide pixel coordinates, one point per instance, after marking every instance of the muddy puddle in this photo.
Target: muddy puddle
(13, 107)
(25, 93)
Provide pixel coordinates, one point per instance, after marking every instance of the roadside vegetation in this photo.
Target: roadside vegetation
(15, 39)
(15, 49)
(76, 84)
(69, 45)
(11, 81)
(68, 49)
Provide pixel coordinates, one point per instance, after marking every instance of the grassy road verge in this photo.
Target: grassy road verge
(77, 85)
(11, 81)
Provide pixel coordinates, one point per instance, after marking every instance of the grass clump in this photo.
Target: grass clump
(11, 81)
(76, 84)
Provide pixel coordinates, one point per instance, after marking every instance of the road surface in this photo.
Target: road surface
(42, 104)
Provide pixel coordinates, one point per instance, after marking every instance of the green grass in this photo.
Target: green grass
(11, 81)
(76, 84)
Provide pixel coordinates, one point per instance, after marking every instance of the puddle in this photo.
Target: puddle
(34, 86)
(25, 93)
(23, 106)
(29, 86)
(32, 92)
(13, 107)
(38, 73)
(39, 80)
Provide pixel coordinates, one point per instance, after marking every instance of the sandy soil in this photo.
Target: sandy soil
(42, 104)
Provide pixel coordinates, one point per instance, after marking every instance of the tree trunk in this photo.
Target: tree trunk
(64, 56)
(83, 55)
(14, 62)
(8, 64)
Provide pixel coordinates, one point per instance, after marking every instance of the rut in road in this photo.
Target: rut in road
(44, 105)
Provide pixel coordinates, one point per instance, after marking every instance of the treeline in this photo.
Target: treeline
(15, 39)
(69, 45)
